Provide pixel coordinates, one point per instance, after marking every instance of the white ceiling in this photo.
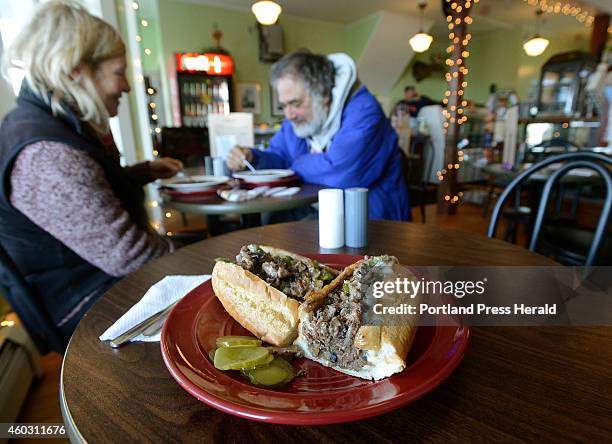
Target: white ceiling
(489, 15)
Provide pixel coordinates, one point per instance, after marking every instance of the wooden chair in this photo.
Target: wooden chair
(417, 171)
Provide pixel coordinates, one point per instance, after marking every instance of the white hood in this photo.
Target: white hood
(346, 74)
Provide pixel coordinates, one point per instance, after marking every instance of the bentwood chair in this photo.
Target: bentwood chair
(28, 307)
(586, 255)
(417, 170)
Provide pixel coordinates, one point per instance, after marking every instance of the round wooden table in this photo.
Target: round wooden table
(514, 383)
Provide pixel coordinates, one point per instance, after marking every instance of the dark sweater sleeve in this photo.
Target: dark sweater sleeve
(140, 173)
(65, 192)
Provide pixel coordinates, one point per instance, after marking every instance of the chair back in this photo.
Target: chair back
(30, 310)
(419, 166)
(592, 161)
(433, 116)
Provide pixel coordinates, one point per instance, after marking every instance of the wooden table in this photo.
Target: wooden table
(250, 210)
(533, 384)
(308, 194)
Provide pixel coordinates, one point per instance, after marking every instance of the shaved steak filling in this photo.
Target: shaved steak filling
(331, 331)
(296, 278)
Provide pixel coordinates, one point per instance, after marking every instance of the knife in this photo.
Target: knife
(140, 327)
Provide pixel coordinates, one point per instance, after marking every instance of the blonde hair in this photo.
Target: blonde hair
(61, 37)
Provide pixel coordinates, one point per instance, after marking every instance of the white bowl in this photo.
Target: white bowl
(193, 183)
(263, 175)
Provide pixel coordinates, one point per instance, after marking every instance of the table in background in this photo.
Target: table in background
(500, 173)
(250, 210)
(514, 383)
(499, 177)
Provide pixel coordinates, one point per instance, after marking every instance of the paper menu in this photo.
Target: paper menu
(228, 130)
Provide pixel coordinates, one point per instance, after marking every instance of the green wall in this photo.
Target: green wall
(357, 34)
(494, 58)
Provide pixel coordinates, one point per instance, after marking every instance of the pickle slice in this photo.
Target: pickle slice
(236, 358)
(237, 341)
(211, 355)
(278, 372)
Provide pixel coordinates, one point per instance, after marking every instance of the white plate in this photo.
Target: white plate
(263, 175)
(193, 183)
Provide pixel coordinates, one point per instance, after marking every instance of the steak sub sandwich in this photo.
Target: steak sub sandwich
(331, 330)
(263, 289)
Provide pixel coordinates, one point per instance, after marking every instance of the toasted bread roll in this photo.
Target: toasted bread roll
(385, 360)
(260, 308)
(333, 334)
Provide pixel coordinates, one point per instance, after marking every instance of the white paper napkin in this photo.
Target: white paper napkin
(159, 296)
(287, 192)
(242, 195)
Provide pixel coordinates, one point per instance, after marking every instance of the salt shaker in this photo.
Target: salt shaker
(331, 218)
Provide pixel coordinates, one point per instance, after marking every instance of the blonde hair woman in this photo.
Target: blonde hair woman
(71, 218)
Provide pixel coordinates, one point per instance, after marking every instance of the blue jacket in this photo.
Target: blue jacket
(363, 153)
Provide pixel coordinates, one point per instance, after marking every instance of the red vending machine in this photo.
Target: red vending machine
(201, 85)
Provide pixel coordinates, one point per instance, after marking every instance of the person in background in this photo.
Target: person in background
(412, 102)
(71, 217)
(334, 133)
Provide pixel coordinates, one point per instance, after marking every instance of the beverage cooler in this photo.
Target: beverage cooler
(201, 85)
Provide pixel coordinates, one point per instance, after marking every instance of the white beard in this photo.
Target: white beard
(319, 116)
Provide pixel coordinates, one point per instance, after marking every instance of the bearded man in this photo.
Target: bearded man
(334, 133)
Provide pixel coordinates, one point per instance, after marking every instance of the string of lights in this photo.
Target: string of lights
(153, 112)
(454, 112)
(566, 8)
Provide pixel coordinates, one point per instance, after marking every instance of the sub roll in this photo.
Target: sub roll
(332, 332)
(263, 289)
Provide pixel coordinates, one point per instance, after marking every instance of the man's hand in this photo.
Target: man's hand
(165, 167)
(236, 156)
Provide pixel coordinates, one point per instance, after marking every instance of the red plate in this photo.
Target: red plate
(195, 196)
(323, 396)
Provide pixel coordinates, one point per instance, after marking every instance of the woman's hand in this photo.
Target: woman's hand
(236, 157)
(165, 167)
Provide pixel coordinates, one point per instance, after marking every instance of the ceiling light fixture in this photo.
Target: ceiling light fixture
(421, 41)
(266, 12)
(537, 44)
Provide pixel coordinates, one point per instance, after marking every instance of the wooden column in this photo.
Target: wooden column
(599, 35)
(458, 11)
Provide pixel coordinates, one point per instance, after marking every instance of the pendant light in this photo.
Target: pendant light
(537, 44)
(421, 41)
(266, 12)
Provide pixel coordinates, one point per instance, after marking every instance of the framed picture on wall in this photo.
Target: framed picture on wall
(275, 108)
(248, 97)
